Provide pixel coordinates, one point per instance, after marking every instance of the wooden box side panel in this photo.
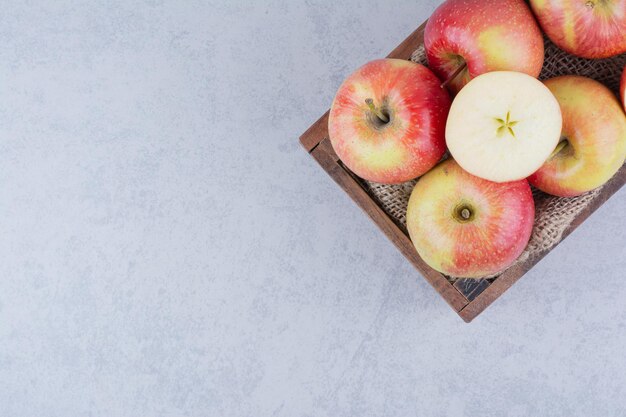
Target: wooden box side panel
(315, 141)
(326, 157)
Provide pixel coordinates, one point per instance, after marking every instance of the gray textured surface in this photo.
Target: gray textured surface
(168, 248)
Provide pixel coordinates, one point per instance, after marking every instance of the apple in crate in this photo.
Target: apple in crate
(466, 38)
(387, 121)
(593, 140)
(586, 28)
(465, 226)
(503, 126)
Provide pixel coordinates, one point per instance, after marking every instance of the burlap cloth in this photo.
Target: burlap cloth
(553, 214)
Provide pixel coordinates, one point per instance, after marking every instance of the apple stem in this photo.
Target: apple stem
(454, 75)
(562, 144)
(383, 118)
(465, 213)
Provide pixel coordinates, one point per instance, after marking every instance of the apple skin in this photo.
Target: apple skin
(589, 29)
(489, 35)
(595, 126)
(498, 230)
(413, 140)
(622, 89)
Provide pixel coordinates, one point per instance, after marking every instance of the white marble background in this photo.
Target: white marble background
(168, 249)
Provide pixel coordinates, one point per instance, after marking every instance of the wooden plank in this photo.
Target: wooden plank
(315, 134)
(471, 288)
(327, 158)
(506, 280)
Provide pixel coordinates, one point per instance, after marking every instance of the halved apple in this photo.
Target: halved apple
(503, 125)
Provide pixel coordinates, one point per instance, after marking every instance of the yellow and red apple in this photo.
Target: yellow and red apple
(465, 226)
(467, 38)
(585, 28)
(593, 139)
(388, 119)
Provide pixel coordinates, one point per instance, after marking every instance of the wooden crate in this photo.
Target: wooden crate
(467, 297)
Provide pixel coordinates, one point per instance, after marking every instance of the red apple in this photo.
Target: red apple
(467, 38)
(586, 28)
(465, 226)
(388, 119)
(593, 145)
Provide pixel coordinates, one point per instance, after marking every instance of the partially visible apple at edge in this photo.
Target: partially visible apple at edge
(593, 139)
(467, 38)
(585, 28)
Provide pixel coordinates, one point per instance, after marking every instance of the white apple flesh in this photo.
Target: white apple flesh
(503, 125)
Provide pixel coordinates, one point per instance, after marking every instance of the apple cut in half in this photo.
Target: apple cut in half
(465, 226)
(503, 125)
